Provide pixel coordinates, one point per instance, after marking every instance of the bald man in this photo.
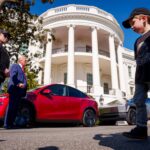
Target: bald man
(17, 87)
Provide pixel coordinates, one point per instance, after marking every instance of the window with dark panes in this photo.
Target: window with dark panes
(66, 48)
(89, 79)
(89, 82)
(44, 51)
(65, 78)
(130, 71)
(42, 80)
(106, 88)
(88, 48)
(131, 90)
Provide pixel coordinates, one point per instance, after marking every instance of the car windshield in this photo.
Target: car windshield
(36, 88)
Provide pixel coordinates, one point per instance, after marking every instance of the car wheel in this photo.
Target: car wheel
(25, 117)
(89, 118)
(131, 116)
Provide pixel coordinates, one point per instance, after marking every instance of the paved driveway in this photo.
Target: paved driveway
(70, 138)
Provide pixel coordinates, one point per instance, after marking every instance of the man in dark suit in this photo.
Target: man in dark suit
(4, 56)
(17, 87)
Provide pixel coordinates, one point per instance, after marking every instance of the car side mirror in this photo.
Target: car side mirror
(47, 91)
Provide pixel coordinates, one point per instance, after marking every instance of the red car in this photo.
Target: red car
(55, 102)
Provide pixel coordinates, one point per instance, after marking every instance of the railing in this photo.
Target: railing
(80, 8)
(60, 9)
(83, 49)
(59, 50)
(86, 49)
(104, 53)
(77, 49)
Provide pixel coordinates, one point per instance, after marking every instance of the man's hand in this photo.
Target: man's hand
(21, 85)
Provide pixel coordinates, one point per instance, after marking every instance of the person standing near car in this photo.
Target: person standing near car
(17, 87)
(4, 56)
(139, 22)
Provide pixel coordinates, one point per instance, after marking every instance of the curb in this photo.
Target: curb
(121, 123)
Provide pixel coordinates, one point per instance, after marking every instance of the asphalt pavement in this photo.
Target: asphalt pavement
(71, 138)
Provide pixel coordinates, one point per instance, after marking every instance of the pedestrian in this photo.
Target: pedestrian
(4, 56)
(139, 22)
(17, 87)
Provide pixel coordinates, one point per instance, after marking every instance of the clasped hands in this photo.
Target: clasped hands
(21, 85)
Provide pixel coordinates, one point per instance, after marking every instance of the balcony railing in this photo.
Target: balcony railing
(86, 49)
(80, 49)
(104, 53)
(59, 50)
(83, 49)
(80, 8)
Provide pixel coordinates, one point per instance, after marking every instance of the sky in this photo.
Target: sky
(120, 9)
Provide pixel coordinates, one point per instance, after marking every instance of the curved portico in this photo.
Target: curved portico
(87, 52)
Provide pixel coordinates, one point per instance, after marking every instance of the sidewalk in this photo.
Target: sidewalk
(125, 123)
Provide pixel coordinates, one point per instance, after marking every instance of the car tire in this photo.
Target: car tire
(89, 118)
(131, 116)
(25, 117)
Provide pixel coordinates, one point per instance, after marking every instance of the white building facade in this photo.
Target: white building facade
(87, 52)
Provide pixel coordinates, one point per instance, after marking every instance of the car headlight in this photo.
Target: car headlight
(3, 97)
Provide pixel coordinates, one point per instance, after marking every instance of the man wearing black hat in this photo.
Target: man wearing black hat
(139, 22)
(4, 56)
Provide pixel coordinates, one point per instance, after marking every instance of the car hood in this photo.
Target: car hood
(4, 95)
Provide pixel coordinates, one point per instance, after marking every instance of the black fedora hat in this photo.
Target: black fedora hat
(137, 11)
(6, 34)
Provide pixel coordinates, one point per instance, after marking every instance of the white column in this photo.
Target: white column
(114, 74)
(95, 63)
(47, 68)
(70, 69)
(120, 65)
(40, 77)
